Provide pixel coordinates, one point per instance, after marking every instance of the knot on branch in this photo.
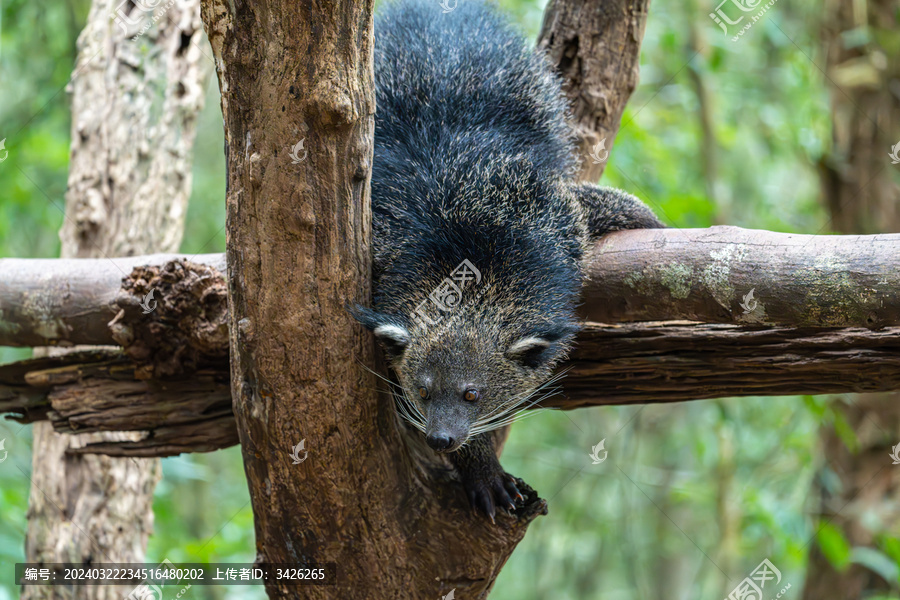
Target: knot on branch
(173, 318)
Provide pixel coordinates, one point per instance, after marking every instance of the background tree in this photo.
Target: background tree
(856, 546)
(128, 186)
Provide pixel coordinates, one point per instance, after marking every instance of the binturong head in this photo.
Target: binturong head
(471, 372)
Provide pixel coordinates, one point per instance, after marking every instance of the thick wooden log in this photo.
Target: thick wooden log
(637, 363)
(745, 276)
(715, 275)
(99, 390)
(632, 363)
(71, 301)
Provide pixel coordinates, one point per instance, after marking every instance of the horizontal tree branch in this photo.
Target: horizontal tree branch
(715, 275)
(68, 302)
(672, 361)
(171, 378)
(745, 276)
(613, 364)
(169, 314)
(99, 390)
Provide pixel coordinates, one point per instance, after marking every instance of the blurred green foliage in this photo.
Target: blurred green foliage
(692, 496)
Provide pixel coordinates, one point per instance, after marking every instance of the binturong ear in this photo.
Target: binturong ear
(541, 345)
(608, 209)
(388, 330)
(529, 351)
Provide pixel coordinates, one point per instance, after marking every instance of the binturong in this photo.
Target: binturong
(478, 230)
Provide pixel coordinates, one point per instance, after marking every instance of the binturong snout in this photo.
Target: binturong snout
(441, 441)
(446, 428)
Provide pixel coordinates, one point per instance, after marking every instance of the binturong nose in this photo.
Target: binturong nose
(439, 441)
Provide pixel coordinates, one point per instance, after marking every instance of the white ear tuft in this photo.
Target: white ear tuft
(527, 344)
(392, 334)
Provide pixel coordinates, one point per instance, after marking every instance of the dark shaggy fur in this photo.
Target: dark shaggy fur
(472, 163)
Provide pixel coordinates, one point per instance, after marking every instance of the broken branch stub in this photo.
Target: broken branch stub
(173, 318)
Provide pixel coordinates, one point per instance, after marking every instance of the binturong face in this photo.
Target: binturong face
(471, 374)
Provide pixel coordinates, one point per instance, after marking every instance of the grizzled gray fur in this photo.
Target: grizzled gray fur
(479, 233)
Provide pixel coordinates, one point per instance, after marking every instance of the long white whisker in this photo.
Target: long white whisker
(518, 417)
(379, 376)
(521, 398)
(515, 400)
(510, 416)
(417, 411)
(403, 408)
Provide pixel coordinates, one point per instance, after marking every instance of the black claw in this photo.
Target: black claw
(488, 487)
(491, 491)
(473, 498)
(513, 491)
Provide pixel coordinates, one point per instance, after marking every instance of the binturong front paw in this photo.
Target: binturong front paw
(491, 489)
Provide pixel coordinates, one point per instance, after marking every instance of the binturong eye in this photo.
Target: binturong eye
(471, 395)
(423, 393)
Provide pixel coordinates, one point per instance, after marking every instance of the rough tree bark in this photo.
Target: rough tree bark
(368, 498)
(860, 189)
(595, 47)
(745, 276)
(126, 195)
(613, 364)
(645, 275)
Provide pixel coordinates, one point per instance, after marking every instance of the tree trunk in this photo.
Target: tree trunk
(370, 499)
(129, 180)
(861, 192)
(595, 47)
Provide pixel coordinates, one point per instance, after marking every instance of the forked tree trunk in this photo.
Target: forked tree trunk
(370, 498)
(861, 192)
(595, 47)
(129, 181)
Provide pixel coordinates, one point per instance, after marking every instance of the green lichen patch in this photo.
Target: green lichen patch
(716, 276)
